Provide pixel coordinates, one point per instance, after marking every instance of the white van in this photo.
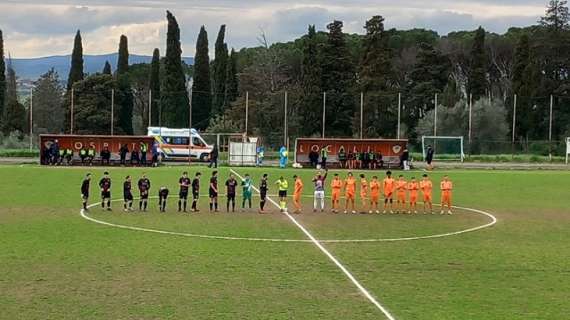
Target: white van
(174, 144)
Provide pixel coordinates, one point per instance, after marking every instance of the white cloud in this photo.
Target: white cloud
(32, 28)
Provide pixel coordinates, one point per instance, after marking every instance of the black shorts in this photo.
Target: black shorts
(106, 194)
(429, 161)
(144, 195)
(213, 194)
(85, 196)
(128, 196)
(282, 193)
(195, 195)
(263, 195)
(232, 196)
(183, 195)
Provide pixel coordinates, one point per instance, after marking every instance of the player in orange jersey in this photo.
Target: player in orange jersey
(336, 187)
(374, 194)
(349, 192)
(297, 193)
(426, 186)
(389, 184)
(364, 193)
(446, 188)
(401, 185)
(413, 187)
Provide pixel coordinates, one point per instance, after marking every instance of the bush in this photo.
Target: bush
(19, 153)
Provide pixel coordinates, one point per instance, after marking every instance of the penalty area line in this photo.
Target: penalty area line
(331, 257)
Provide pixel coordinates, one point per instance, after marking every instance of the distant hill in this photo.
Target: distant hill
(32, 68)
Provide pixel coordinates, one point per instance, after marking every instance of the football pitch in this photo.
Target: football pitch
(57, 264)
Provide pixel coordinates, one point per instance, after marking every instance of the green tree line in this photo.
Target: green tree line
(379, 69)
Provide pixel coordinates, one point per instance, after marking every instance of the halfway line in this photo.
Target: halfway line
(331, 257)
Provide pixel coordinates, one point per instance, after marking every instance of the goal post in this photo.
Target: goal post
(445, 147)
(567, 149)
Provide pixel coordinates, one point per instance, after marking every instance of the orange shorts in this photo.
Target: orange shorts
(297, 197)
(335, 195)
(427, 197)
(402, 196)
(374, 197)
(363, 196)
(446, 197)
(388, 195)
(413, 198)
(349, 195)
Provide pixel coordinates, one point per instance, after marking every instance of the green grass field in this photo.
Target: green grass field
(54, 264)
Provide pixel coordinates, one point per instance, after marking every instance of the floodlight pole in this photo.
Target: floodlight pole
(435, 117)
(31, 118)
(190, 128)
(470, 120)
(361, 115)
(514, 125)
(71, 111)
(285, 122)
(150, 108)
(112, 109)
(324, 111)
(246, 111)
(399, 113)
(550, 129)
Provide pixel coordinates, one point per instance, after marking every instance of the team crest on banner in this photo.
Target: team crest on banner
(396, 148)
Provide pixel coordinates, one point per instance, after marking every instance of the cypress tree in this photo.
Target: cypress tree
(202, 85)
(220, 71)
(375, 73)
(154, 86)
(338, 79)
(14, 112)
(76, 70)
(429, 75)
(525, 84)
(124, 93)
(478, 66)
(123, 60)
(520, 63)
(2, 76)
(107, 68)
(75, 75)
(174, 97)
(232, 85)
(312, 92)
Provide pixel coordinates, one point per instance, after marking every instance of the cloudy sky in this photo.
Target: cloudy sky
(34, 28)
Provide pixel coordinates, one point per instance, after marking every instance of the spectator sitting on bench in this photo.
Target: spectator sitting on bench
(83, 155)
(135, 159)
(105, 156)
(91, 155)
(379, 161)
(342, 157)
(314, 158)
(68, 156)
(123, 151)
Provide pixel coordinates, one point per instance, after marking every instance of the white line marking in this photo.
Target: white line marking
(331, 257)
(84, 215)
(204, 236)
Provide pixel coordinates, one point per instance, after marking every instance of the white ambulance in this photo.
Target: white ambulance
(175, 144)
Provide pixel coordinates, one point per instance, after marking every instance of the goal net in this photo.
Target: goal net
(445, 147)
